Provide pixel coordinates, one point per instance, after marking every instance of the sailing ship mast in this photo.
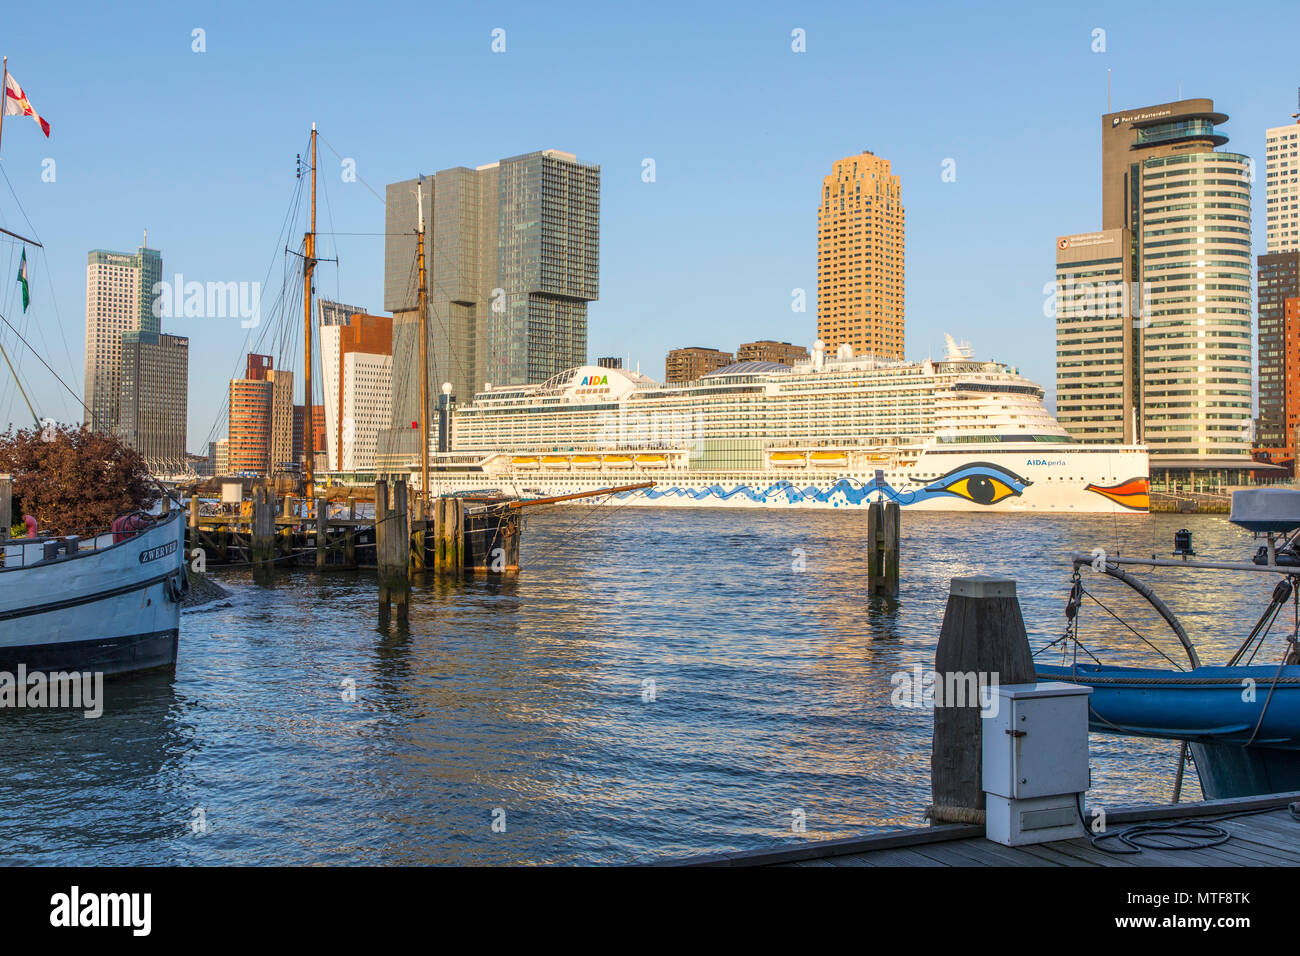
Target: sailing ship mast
(4, 86)
(423, 303)
(308, 267)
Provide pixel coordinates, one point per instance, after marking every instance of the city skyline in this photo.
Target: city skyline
(747, 169)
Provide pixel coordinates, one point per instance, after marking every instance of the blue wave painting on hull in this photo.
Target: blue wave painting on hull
(982, 482)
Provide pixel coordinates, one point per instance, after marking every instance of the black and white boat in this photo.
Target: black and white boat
(110, 604)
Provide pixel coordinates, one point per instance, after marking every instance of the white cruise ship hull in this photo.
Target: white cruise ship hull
(1067, 478)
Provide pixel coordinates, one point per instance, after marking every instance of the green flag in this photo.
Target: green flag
(22, 280)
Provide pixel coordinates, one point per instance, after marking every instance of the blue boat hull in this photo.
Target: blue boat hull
(1243, 723)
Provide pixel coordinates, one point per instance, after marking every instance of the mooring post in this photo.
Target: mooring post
(6, 505)
(890, 557)
(459, 537)
(194, 520)
(439, 535)
(418, 537)
(399, 557)
(381, 547)
(322, 532)
(882, 548)
(982, 644)
(263, 529)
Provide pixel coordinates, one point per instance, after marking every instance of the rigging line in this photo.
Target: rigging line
(1130, 627)
(45, 262)
(358, 175)
(295, 202)
(45, 363)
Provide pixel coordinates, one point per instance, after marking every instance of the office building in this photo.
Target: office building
(694, 362)
(1282, 187)
(1278, 283)
(1182, 331)
(119, 299)
(152, 401)
(249, 431)
(356, 372)
(860, 225)
(512, 254)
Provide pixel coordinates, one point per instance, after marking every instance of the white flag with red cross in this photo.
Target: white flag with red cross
(17, 103)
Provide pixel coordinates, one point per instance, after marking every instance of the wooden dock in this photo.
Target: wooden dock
(1267, 836)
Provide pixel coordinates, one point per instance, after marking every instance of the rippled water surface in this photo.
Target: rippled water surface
(524, 701)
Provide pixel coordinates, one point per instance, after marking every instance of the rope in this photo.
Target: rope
(1193, 834)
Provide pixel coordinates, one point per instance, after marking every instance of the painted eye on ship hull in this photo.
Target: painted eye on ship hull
(981, 482)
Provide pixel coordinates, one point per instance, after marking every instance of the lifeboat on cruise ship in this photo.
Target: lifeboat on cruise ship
(555, 461)
(829, 459)
(618, 461)
(652, 461)
(787, 459)
(586, 461)
(524, 461)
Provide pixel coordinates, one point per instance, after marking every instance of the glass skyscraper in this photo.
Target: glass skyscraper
(512, 253)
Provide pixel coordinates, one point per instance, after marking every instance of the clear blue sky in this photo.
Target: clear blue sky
(199, 148)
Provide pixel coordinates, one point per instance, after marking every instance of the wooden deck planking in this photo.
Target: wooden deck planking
(1270, 838)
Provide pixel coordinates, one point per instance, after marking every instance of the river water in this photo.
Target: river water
(654, 684)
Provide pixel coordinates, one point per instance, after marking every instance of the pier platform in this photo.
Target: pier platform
(1263, 833)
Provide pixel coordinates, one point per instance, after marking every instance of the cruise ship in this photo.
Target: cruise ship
(836, 432)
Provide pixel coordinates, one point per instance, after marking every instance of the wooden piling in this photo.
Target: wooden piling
(392, 549)
(399, 554)
(6, 505)
(381, 541)
(456, 536)
(263, 529)
(418, 537)
(983, 635)
(322, 532)
(883, 526)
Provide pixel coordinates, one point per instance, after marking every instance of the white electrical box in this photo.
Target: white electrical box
(1035, 762)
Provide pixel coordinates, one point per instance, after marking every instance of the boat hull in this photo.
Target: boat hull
(1244, 740)
(112, 611)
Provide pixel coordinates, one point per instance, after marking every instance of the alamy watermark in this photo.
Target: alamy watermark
(208, 300)
(74, 690)
(1073, 298)
(919, 688)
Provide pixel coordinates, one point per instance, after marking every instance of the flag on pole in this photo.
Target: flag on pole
(17, 103)
(22, 280)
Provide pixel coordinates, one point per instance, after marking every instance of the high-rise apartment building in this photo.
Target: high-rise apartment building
(694, 362)
(860, 225)
(119, 299)
(512, 252)
(1277, 275)
(767, 350)
(1183, 339)
(153, 398)
(356, 373)
(1282, 187)
(249, 431)
(1278, 283)
(283, 433)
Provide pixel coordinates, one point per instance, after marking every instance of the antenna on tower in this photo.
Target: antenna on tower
(1107, 89)
(1297, 97)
